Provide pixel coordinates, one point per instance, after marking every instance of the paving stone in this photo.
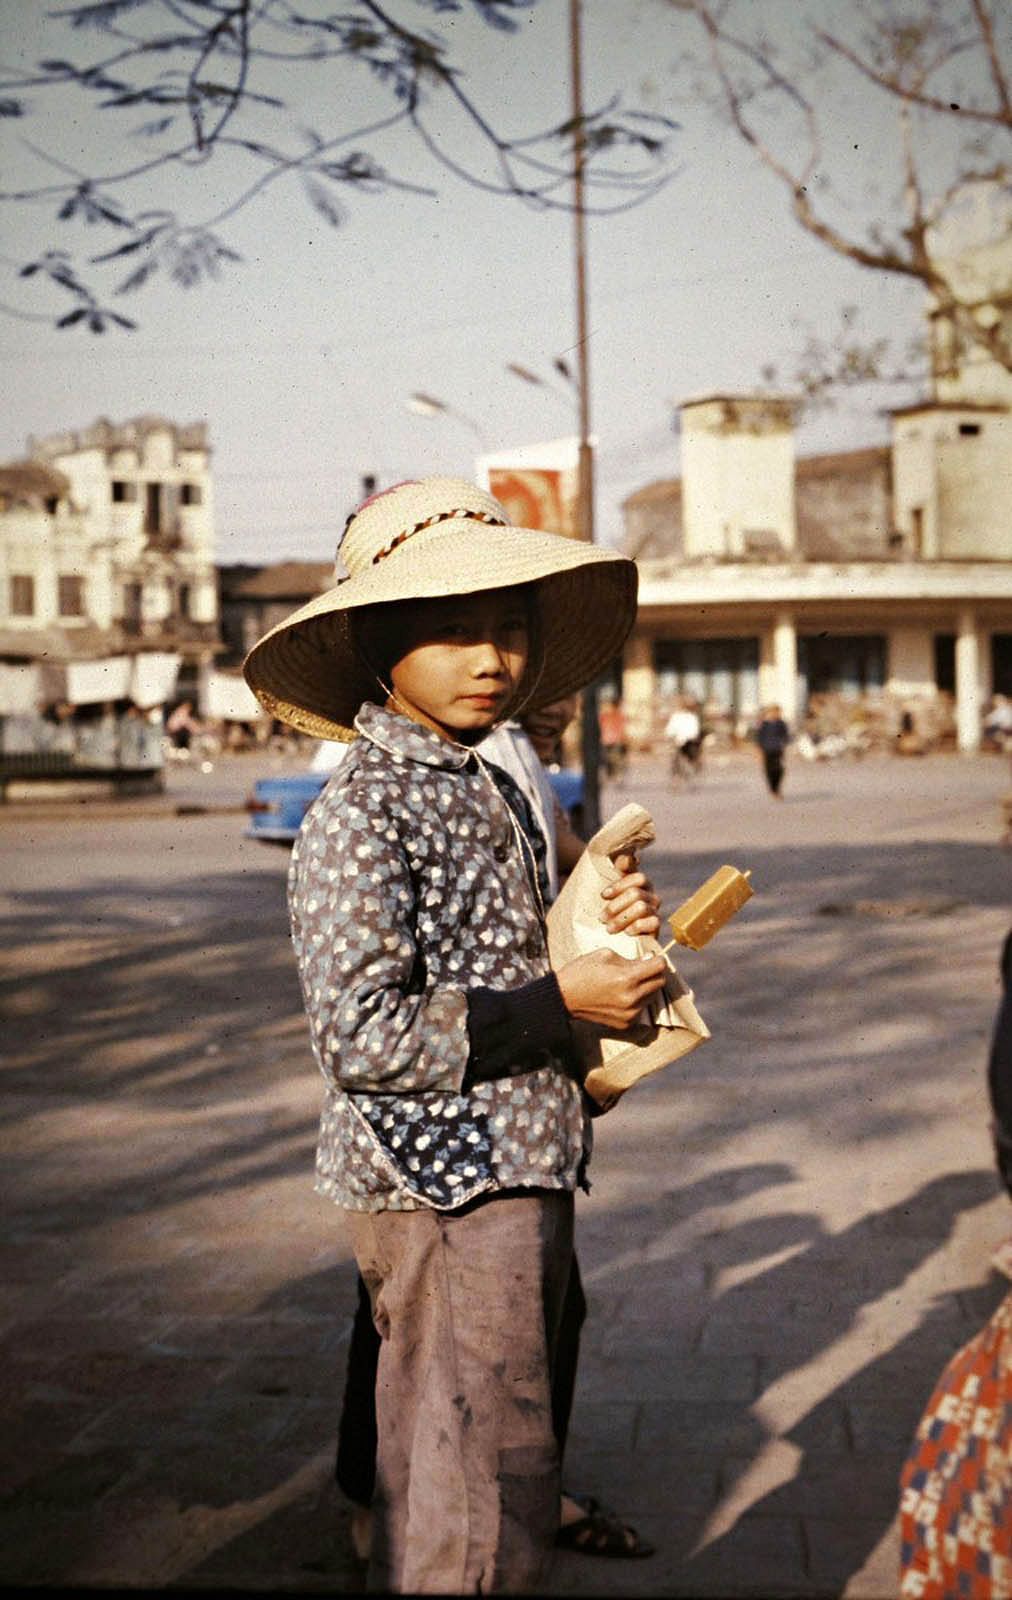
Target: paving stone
(667, 1427)
(874, 1428)
(661, 1373)
(688, 1481)
(67, 1481)
(827, 1484)
(604, 1425)
(304, 1547)
(838, 1550)
(761, 1557)
(787, 1343)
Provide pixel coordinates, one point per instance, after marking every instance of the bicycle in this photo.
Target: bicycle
(686, 762)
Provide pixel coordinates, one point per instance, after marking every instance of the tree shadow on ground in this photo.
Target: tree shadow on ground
(122, 989)
(682, 1377)
(838, 1023)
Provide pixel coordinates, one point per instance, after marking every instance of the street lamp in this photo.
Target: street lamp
(534, 378)
(427, 405)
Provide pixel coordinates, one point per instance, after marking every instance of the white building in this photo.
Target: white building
(883, 576)
(107, 546)
(880, 576)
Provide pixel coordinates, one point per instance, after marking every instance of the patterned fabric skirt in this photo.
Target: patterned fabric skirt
(956, 1486)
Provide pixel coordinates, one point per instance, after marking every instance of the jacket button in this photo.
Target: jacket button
(501, 851)
(533, 946)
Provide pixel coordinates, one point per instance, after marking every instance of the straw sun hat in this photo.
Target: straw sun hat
(436, 537)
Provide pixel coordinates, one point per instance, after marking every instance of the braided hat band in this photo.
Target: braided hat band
(430, 522)
(435, 538)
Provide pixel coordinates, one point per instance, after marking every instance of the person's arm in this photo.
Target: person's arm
(507, 1028)
(374, 1029)
(999, 1072)
(352, 906)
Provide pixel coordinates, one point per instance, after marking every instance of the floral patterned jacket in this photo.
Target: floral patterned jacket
(411, 901)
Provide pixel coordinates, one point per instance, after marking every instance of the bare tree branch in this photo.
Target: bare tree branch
(999, 116)
(901, 56)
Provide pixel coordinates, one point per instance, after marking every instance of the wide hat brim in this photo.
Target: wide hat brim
(307, 670)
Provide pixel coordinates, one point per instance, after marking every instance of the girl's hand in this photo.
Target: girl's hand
(631, 906)
(605, 988)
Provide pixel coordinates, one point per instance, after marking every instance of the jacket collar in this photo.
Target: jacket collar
(407, 740)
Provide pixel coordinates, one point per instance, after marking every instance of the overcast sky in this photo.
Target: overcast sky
(302, 358)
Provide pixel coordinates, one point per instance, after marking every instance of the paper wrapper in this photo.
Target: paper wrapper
(670, 1026)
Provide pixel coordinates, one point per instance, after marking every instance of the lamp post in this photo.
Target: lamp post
(427, 405)
(591, 735)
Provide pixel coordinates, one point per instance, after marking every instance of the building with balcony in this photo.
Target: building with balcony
(107, 547)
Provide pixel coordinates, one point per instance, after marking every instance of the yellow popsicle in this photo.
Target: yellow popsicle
(714, 903)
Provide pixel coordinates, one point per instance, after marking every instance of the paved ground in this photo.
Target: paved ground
(788, 1233)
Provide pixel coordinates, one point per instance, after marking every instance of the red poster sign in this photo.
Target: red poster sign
(533, 496)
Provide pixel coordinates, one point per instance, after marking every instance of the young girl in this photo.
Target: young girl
(454, 1130)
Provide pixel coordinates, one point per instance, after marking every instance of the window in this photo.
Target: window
(722, 670)
(153, 507)
(70, 590)
(945, 662)
(51, 503)
(22, 595)
(1001, 663)
(123, 492)
(132, 600)
(191, 494)
(969, 430)
(184, 599)
(844, 664)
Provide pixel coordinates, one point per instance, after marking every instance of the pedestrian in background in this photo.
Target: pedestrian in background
(684, 733)
(773, 736)
(454, 1128)
(614, 739)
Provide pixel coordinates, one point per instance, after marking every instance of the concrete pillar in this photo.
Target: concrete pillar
(638, 690)
(968, 701)
(204, 600)
(785, 665)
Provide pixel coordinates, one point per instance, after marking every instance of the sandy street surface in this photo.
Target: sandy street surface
(788, 1235)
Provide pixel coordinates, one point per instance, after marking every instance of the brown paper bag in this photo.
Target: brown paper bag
(670, 1026)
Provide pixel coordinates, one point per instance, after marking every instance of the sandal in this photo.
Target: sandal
(600, 1532)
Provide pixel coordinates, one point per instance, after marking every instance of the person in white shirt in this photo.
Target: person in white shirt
(683, 727)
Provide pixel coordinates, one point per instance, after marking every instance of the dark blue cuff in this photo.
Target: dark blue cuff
(510, 1030)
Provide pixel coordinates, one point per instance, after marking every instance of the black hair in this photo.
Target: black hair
(377, 632)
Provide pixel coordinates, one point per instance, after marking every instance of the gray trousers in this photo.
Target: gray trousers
(467, 1304)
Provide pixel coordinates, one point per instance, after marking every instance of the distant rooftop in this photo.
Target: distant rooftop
(28, 482)
(947, 405)
(286, 580)
(106, 435)
(839, 462)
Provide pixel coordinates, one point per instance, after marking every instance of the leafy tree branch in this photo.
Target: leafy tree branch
(223, 83)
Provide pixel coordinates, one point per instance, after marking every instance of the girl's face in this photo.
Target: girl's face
(459, 661)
